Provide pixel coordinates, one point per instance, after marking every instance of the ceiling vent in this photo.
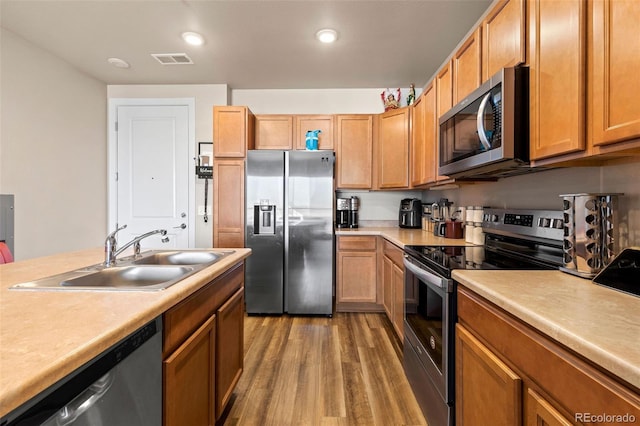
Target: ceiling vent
(172, 58)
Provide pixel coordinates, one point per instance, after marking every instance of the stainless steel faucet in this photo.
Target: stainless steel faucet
(110, 244)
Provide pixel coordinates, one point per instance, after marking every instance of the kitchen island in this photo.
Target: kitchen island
(46, 335)
(572, 344)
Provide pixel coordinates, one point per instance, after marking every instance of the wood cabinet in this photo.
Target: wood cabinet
(356, 270)
(393, 285)
(189, 377)
(233, 131)
(274, 132)
(539, 411)
(557, 79)
(614, 52)
(354, 151)
(467, 66)
(444, 102)
(228, 203)
(503, 37)
(303, 123)
(229, 348)
(487, 391)
(509, 373)
(203, 351)
(393, 149)
(418, 154)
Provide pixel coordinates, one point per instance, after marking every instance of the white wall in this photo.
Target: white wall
(206, 96)
(53, 150)
(318, 101)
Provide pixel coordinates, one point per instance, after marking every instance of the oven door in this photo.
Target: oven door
(429, 322)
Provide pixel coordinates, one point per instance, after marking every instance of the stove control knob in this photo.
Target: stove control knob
(557, 224)
(495, 218)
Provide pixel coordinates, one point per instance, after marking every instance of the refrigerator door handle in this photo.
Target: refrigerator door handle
(286, 213)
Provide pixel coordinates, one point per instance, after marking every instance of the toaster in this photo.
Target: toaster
(410, 215)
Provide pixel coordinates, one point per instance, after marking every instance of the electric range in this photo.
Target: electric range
(514, 239)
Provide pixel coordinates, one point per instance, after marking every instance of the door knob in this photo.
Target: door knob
(182, 226)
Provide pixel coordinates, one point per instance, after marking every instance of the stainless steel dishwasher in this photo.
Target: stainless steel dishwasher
(122, 386)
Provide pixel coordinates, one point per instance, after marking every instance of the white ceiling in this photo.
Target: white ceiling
(250, 44)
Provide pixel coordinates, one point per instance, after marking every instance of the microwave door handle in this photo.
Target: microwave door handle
(480, 122)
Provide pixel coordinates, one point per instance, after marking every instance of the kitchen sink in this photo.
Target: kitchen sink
(192, 257)
(130, 277)
(149, 271)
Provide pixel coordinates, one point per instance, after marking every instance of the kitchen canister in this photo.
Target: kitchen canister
(590, 239)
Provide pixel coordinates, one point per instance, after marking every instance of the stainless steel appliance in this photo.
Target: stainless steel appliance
(514, 239)
(410, 213)
(121, 387)
(590, 232)
(342, 212)
(289, 227)
(486, 135)
(354, 207)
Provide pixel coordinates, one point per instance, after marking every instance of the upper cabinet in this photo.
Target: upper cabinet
(503, 37)
(303, 123)
(233, 131)
(444, 102)
(557, 79)
(274, 132)
(614, 48)
(393, 152)
(418, 154)
(354, 151)
(467, 67)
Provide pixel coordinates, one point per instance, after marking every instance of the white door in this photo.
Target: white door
(153, 174)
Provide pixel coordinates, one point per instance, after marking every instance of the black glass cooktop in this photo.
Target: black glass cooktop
(623, 273)
(497, 253)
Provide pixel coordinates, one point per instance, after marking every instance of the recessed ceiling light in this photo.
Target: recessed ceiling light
(327, 35)
(118, 63)
(193, 39)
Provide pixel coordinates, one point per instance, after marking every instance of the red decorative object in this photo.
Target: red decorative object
(389, 100)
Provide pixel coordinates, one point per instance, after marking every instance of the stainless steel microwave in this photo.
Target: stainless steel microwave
(486, 135)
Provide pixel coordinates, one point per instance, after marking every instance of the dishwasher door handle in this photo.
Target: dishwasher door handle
(87, 399)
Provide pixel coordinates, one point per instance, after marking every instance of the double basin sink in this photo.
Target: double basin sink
(149, 271)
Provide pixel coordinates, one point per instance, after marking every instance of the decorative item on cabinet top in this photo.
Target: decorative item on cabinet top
(389, 100)
(311, 139)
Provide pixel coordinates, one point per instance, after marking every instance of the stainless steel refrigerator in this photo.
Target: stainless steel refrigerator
(289, 227)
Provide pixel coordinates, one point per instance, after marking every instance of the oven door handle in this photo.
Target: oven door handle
(428, 277)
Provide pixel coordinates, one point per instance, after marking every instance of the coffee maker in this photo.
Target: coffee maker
(354, 206)
(342, 212)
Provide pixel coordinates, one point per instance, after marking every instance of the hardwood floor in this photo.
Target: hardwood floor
(344, 370)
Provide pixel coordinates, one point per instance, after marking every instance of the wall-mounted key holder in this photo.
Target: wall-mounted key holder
(204, 166)
(204, 170)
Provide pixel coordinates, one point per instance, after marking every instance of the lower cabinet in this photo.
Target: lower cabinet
(229, 348)
(508, 373)
(189, 374)
(357, 277)
(203, 351)
(393, 286)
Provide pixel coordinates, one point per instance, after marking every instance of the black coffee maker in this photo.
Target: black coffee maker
(342, 212)
(410, 215)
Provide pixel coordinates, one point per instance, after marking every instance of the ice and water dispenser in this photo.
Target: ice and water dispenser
(264, 218)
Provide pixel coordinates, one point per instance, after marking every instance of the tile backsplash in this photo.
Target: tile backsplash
(539, 190)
